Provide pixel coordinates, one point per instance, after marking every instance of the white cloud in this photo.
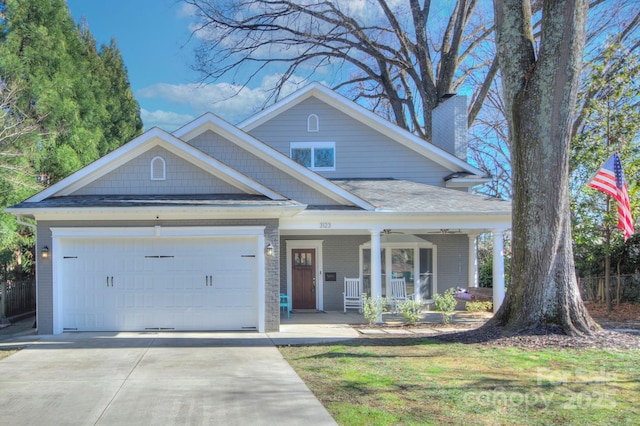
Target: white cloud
(231, 102)
(165, 120)
(186, 10)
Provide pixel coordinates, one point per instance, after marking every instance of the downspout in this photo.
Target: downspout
(19, 218)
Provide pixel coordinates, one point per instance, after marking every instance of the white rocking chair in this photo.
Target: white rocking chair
(352, 294)
(398, 293)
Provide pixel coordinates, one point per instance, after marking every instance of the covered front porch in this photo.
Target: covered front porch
(314, 266)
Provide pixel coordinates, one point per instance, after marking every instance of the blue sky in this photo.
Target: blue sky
(153, 37)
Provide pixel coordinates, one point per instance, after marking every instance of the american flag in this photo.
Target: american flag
(610, 180)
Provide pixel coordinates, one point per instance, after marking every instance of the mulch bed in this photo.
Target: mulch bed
(546, 337)
(625, 316)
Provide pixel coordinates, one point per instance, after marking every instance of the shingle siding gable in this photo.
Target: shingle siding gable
(258, 169)
(134, 177)
(361, 152)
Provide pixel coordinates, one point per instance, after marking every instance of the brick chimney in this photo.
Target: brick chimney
(449, 125)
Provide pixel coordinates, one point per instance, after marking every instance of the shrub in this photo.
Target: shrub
(445, 303)
(479, 306)
(410, 311)
(372, 308)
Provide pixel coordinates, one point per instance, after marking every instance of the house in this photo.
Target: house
(203, 228)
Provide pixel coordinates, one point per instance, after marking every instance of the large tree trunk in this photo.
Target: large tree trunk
(540, 93)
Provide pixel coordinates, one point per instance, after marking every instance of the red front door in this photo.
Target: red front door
(304, 279)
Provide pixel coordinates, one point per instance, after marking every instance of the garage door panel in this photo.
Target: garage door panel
(158, 283)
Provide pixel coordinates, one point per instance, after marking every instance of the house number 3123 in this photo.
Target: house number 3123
(325, 225)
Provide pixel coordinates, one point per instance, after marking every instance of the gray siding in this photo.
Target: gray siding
(360, 151)
(45, 277)
(134, 177)
(450, 126)
(258, 169)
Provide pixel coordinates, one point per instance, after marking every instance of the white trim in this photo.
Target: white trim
(156, 231)
(163, 173)
(498, 269)
(388, 261)
(143, 143)
(465, 182)
(313, 146)
(360, 222)
(262, 283)
(61, 234)
(310, 128)
(254, 146)
(359, 113)
(473, 260)
(56, 288)
(307, 244)
(160, 212)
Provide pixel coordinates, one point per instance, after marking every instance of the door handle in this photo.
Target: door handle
(109, 281)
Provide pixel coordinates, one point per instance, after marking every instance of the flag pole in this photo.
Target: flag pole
(607, 257)
(607, 265)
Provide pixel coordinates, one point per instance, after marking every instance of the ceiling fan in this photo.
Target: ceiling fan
(444, 231)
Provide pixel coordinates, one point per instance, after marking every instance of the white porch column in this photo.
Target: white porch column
(376, 267)
(473, 260)
(498, 269)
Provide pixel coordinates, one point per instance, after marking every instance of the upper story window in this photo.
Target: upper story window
(313, 123)
(318, 156)
(158, 169)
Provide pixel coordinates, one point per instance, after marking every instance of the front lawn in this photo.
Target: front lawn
(422, 381)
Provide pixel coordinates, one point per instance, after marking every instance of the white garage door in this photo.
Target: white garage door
(131, 284)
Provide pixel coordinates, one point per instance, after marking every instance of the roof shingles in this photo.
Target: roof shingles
(411, 197)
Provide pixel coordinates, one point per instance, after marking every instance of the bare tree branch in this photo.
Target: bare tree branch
(388, 45)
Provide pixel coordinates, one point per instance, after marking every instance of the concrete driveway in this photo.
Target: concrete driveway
(154, 379)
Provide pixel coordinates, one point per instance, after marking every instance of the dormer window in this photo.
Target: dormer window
(313, 123)
(158, 169)
(317, 156)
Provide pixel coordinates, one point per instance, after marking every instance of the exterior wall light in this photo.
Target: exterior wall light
(45, 252)
(269, 250)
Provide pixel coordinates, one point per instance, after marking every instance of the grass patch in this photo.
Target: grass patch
(417, 381)
(4, 353)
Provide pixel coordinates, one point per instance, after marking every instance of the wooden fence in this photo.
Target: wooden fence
(17, 297)
(625, 288)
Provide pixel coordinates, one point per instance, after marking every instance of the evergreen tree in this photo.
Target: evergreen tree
(124, 122)
(66, 81)
(69, 105)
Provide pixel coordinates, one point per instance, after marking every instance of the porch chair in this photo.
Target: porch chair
(352, 294)
(284, 303)
(398, 292)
